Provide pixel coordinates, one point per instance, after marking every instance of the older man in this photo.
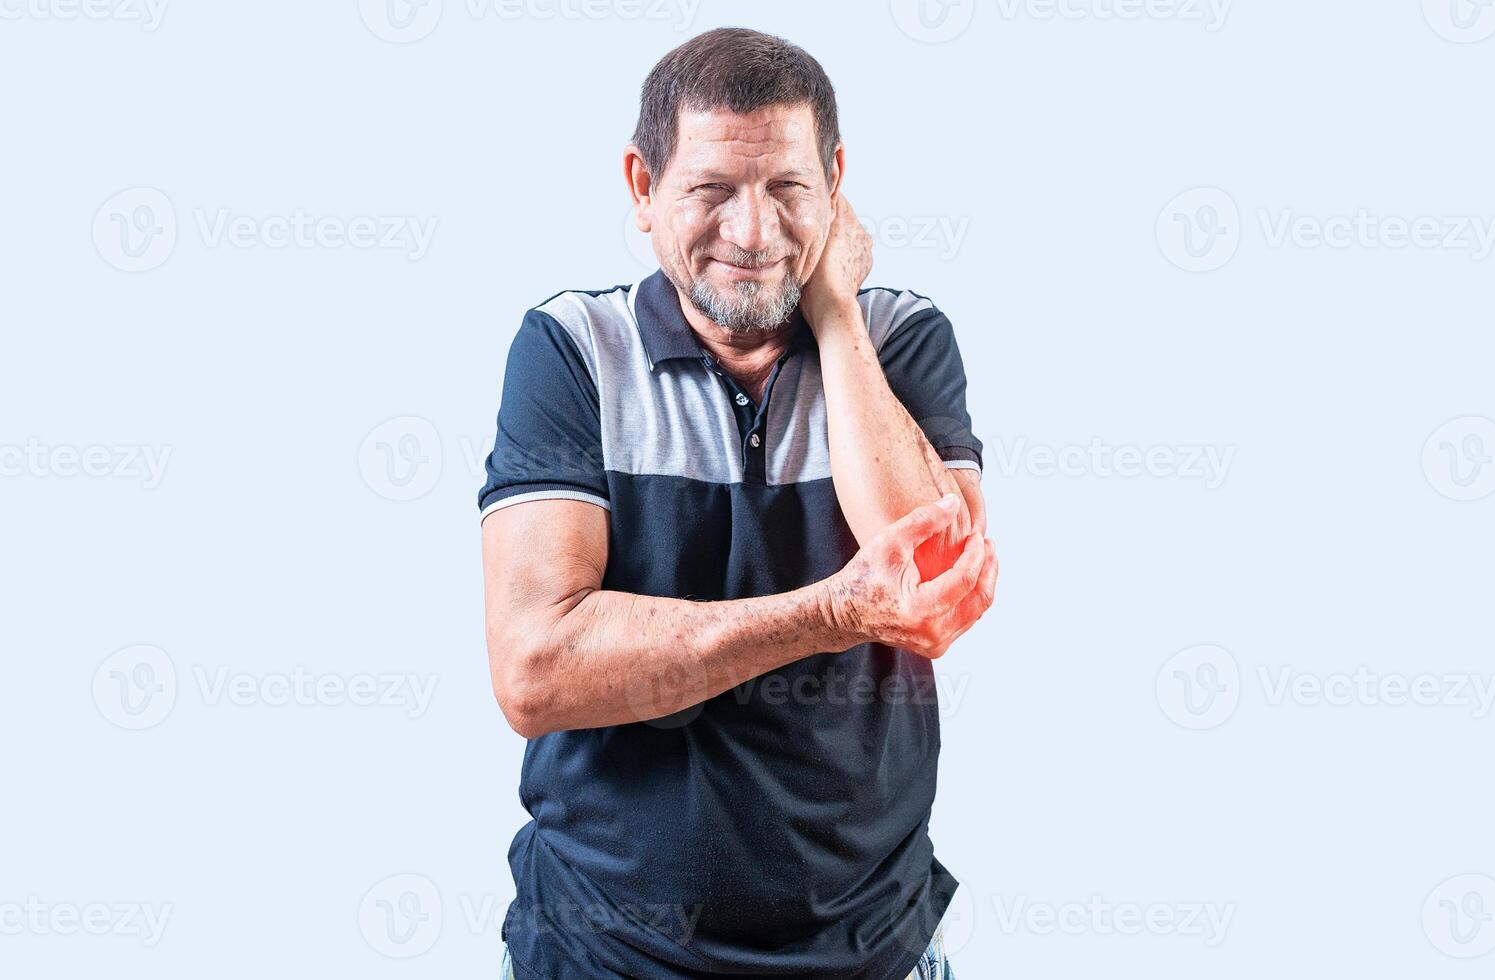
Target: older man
(732, 513)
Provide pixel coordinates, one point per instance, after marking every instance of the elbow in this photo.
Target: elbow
(940, 551)
(519, 686)
(521, 717)
(527, 725)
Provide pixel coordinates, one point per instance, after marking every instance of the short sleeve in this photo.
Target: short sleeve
(548, 445)
(922, 364)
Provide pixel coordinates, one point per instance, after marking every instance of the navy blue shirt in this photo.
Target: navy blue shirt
(779, 829)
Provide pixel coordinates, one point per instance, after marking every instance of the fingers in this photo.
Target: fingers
(979, 599)
(923, 523)
(954, 583)
(954, 623)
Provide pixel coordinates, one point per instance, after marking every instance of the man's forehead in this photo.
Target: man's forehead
(773, 129)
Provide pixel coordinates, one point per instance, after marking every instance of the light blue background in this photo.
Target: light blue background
(1072, 765)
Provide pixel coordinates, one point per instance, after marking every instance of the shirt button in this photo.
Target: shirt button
(754, 441)
(741, 398)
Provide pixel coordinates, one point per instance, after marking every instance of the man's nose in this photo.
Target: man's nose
(750, 223)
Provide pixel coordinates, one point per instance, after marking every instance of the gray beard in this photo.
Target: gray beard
(742, 312)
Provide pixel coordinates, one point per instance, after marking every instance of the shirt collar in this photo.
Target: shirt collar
(667, 334)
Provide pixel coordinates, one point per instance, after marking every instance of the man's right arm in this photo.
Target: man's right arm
(565, 653)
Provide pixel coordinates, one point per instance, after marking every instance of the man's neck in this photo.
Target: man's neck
(747, 355)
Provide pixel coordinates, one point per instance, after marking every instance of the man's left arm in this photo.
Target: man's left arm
(882, 461)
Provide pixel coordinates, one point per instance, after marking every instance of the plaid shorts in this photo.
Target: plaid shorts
(933, 965)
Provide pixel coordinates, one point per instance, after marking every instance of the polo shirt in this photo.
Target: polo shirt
(779, 829)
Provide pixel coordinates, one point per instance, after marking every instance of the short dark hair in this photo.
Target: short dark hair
(736, 69)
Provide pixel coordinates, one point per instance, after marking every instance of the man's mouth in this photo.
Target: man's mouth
(756, 271)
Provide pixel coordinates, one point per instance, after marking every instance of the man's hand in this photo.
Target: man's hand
(843, 267)
(879, 594)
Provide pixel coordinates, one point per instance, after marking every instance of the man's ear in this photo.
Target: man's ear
(640, 187)
(838, 169)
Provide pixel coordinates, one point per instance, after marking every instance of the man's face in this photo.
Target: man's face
(741, 214)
